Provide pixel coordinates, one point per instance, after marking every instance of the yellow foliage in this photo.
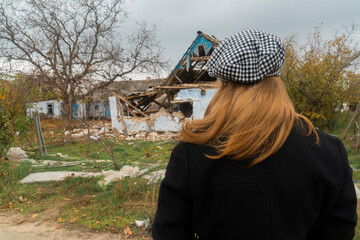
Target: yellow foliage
(317, 74)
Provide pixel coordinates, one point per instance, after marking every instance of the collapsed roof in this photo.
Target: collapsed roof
(188, 73)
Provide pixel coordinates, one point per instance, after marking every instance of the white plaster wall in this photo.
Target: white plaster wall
(136, 125)
(114, 114)
(200, 102)
(164, 123)
(41, 107)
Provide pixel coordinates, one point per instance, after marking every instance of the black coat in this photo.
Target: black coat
(303, 191)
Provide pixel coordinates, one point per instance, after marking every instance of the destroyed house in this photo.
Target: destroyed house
(188, 89)
(187, 74)
(99, 104)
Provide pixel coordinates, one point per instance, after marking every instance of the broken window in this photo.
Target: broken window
(186, 108)
(50, 109)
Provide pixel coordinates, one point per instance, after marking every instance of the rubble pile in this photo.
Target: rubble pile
(16, 154)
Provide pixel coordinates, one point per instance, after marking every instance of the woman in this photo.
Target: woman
(253, 168)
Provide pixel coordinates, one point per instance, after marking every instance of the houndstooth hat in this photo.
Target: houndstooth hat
(247, 57)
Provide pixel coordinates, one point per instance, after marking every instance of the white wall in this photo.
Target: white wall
(200, 101)
(42, 107)
(164, 122)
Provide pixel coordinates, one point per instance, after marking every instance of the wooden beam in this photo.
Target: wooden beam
(130, 110)
(177, 78)
(161, 105)
(184, 101)
(188, 85)
(135, 108)
(141, 95)
(204, 58)
(143, 101)
(153, 111)
(170, 87)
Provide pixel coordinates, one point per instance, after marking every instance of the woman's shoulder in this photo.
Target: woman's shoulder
(329, 152)
(325, 139)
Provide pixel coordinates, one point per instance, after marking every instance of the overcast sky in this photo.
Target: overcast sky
(178, 21)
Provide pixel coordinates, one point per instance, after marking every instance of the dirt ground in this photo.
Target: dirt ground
(15, 226)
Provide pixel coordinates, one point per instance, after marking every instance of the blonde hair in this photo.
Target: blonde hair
(246, 121)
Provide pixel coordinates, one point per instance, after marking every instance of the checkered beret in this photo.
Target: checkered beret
(247, 57)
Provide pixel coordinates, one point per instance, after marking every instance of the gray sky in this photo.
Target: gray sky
(178, 21)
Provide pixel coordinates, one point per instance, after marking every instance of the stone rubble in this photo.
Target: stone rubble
(155, 176)
(96, 133)
(16, 154)
(61, 155)
(125, 171)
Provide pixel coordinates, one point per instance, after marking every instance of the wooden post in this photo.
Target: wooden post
(120, 109)
(39, 135)
(357, 140)
(356, 113)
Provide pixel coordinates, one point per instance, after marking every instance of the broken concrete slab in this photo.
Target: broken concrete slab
(55, 176)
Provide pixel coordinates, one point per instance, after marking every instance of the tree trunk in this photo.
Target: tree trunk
(68, 108)
(337, 116)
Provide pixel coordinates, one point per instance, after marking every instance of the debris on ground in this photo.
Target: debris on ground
(113, 176)
(109, 176)
(61, 155)
(110, 133)
(55, 176)
(142, 223)
(95, 137)
(155, 176)
(52, 163)
(16, 154)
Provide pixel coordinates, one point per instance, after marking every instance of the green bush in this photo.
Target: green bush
(6, 130)
(13, 116)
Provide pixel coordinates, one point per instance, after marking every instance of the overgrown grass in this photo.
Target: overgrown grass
(124, 151)
(82, 201)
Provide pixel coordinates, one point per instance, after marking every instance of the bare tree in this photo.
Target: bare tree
(76, 45)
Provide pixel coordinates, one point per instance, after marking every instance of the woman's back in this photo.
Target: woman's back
(253, 168)
(301, 192)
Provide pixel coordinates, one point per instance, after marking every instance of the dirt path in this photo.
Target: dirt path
(15, 226)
